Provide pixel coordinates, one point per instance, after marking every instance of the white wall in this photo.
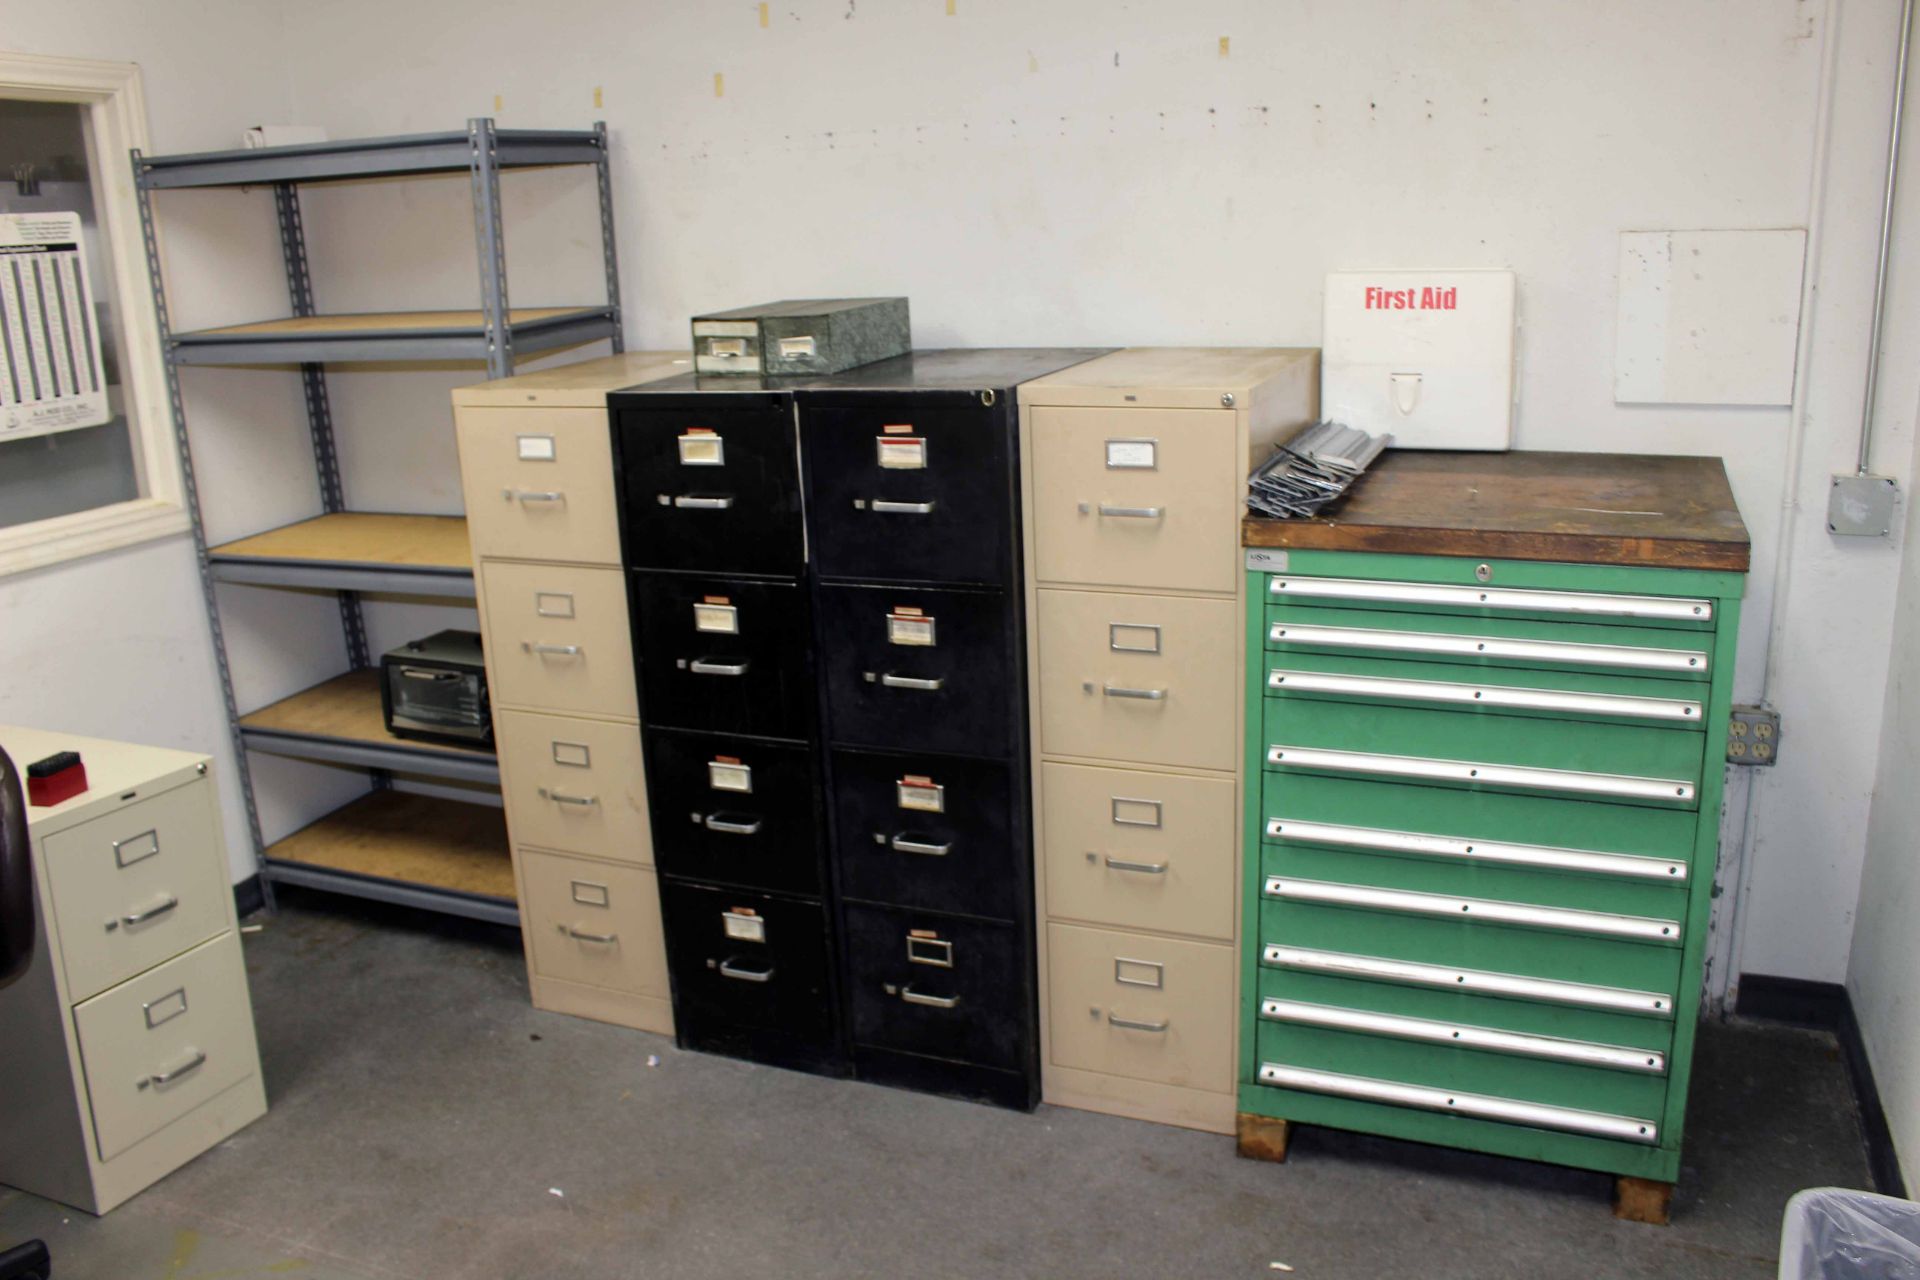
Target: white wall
(116, 646)
(1071, 172)
(1075, 172)
(1885, 956)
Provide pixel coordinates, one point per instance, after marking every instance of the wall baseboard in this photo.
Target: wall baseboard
(1828, 1007)
(248, 896)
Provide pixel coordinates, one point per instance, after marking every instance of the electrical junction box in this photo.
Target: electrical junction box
(1427, 356)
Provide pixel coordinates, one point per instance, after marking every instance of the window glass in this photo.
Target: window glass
(47, 165)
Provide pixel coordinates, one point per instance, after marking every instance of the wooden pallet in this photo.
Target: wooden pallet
(1634, 1199)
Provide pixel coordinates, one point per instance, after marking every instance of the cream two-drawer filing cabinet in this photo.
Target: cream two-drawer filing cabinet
(536, 464)
(1135, 470)
(127, 1047)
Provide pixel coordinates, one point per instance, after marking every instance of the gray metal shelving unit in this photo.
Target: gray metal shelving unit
(328, 723)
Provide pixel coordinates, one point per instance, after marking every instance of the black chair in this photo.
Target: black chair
(29, 1261)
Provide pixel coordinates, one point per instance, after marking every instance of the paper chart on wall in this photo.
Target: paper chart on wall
(51, 375)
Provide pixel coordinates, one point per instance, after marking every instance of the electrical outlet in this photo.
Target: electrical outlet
(1753, 736)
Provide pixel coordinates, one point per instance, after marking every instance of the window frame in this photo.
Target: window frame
(117, 117)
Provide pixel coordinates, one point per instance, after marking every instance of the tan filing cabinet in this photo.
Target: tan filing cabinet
(536, 462)
(127, 1047)
(1135, 473)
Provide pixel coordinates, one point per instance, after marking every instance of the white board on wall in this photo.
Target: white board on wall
(1708, 317)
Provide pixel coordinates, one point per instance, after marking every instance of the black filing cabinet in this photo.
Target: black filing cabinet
(913, 498)
(829, 634)
(713, 540)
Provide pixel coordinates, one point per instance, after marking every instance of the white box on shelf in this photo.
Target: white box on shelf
(1425, 355)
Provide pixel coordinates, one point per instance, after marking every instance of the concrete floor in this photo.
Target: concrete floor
(426, 1122)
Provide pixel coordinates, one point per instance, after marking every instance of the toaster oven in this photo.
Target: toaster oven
(435, 690)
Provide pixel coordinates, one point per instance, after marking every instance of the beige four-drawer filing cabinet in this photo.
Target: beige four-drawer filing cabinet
(127, 1047)
(536, 465)
(1135, 468)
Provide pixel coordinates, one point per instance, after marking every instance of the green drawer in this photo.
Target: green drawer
(1627, 1094)
(1401, 990)
(1506, 642)
(1516, 691)
(1549, 1095)
(1524, 755)
(1494, 601)
(1556, 944)
(1634, 900)
(1577, 846)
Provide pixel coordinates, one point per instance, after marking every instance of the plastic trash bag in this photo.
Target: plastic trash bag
(1830, 1233)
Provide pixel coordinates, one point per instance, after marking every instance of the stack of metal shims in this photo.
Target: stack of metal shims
(1312, 469)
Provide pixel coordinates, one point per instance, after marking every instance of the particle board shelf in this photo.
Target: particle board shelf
(355, 551)
(389, 335)
(403, 154)
(416, 850)
(340, 721)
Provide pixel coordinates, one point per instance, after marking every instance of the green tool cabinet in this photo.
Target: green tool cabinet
(1480, 851)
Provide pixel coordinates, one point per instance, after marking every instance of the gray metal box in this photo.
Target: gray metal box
(801, 336)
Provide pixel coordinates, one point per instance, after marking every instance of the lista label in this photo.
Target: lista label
(910, 627)
(726, 773)
(535, 448)
(901, 453)
(1132, 455)
(921, 794)
(744, 924)
(716, 615)
(700, 447)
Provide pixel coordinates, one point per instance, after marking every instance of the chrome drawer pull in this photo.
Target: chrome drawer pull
(1585, 603)
(892, 681)
(581, 935)
(1473, 771)
(1522, 855)
(529, 495)
(714, 822)
(1590, 655)
(161, 1080)
(729, 970)
(1477, 981)
(709, 667)
(885, 505)
(1122, 691)
(1598, 1124)
(1144, 868)
(558, 650)
(932, 1002)
(1466, 1035)
(1115, 1020)
(903, 845)
(689, 503)
(1487, 695)
(151, 913)
(562, 797)
(1133, 513)
(1599, 923)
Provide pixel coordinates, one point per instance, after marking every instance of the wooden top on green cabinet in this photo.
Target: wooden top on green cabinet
(1579, 508)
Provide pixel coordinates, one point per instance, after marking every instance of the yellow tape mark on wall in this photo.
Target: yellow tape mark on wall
(952, 6)
(499, 103)
(719, 84)
(1226, 45)
(599, 100)
(763, 15)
